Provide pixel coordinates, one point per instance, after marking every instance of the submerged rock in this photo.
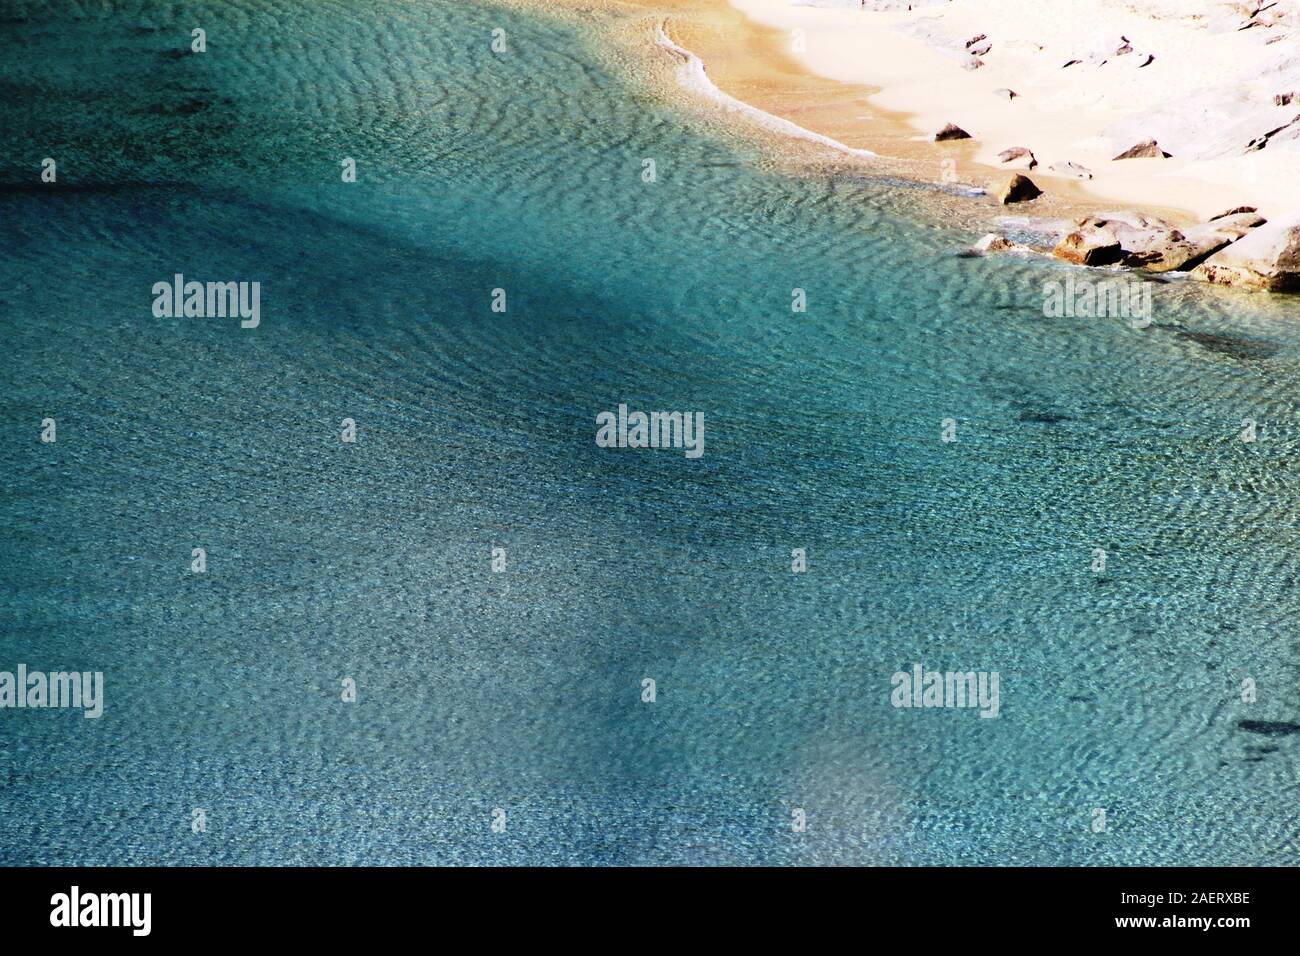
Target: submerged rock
(995, 243)
(1267, 259)
(951, 131)
(1233, 346)
(1018, 188)
(1269, 728)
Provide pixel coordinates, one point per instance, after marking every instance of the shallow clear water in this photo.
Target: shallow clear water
(521, 690)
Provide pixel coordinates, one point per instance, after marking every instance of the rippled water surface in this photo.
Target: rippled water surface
(521, 690)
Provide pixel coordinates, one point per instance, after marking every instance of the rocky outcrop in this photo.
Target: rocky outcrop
(1169, 250)
(1267, 259)
(1147, 149)
(1147, 242)
(950, 132)
(1017, 157)
(1017, 188)
(1006, 94)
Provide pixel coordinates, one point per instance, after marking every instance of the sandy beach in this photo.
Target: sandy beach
(1183, 73)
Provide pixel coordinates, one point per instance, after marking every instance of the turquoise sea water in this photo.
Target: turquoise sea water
(521, 690)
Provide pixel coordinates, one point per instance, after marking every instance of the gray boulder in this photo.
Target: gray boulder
(1147, 149)
(1017, 188)
(950, 132)
(1018, 157)
(1093, 243)
(1267, 259)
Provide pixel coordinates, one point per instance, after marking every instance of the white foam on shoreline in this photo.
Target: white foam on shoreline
(692, 75)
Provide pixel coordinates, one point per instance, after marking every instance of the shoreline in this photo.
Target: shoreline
(748, 63)
(745, 64)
